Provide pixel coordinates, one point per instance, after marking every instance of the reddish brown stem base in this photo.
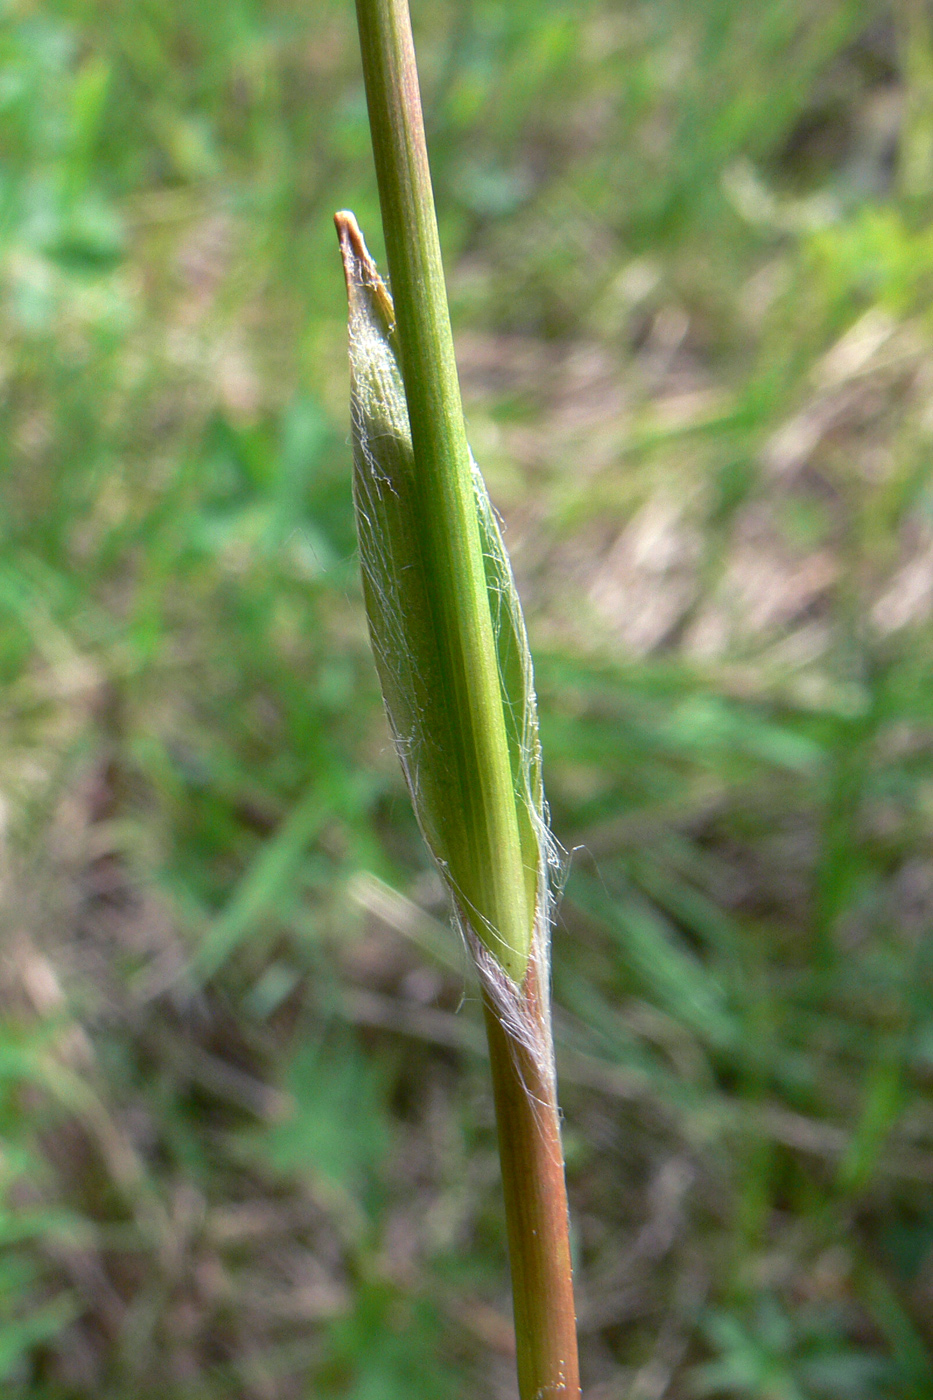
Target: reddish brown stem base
(536, 1214)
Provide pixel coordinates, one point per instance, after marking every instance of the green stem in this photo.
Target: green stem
(442, 532)
(444, 501)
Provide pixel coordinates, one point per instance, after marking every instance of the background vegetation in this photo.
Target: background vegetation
(247, 1137)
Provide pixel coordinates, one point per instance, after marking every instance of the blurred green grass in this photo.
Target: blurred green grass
(246, 1141)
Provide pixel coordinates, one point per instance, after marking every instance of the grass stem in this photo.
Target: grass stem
(493, 888)
(453, 659)
(535, 1193)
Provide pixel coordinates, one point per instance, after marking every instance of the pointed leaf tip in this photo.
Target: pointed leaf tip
(359, 269)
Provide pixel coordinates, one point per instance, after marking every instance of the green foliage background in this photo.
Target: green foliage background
(247, 1146)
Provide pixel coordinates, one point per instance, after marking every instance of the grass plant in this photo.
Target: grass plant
(452, 654)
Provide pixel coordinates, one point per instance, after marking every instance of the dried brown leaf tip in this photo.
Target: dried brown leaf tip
(360, 271)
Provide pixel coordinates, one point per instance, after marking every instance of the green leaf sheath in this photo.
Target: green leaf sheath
(413, 656)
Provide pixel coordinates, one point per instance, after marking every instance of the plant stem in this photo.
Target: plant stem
(535, 1205)
(481, 780)
(500, 905)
